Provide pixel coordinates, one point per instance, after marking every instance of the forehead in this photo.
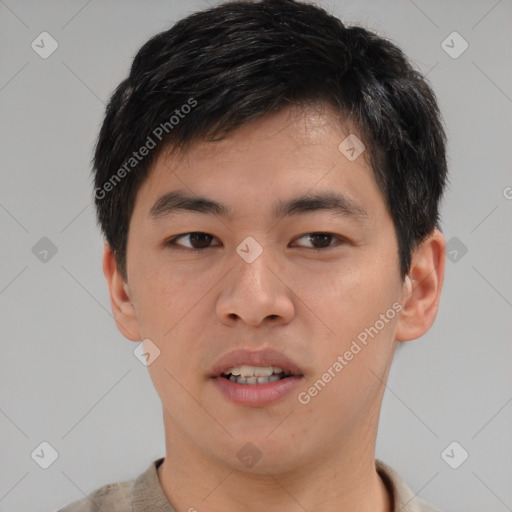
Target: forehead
(299, 128)
(290, 153)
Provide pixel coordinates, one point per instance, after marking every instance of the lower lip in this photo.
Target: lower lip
(256, 395)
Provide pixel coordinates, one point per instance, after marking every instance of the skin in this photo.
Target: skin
(308, 304)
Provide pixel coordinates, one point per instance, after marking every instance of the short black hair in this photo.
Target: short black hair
(222, 67)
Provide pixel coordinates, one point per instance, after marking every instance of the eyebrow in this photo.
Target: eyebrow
(179, 201)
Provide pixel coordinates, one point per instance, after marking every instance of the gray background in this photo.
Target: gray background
(69, 378)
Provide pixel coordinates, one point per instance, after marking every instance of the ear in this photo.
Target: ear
(120, 297)
(421, 291)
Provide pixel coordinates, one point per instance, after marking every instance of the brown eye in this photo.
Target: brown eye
(196, 240)
(321, 240)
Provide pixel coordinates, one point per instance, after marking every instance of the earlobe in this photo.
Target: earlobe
(422, 288)
(121, 299)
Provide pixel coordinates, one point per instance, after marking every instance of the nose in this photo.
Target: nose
(255, 293)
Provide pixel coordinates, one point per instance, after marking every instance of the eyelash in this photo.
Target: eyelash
(172, 242)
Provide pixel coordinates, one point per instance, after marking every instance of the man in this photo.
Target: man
(268, 183)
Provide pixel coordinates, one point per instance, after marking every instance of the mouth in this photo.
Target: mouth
(255, 375)
(255, 378)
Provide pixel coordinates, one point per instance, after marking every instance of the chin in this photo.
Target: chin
(258, 454)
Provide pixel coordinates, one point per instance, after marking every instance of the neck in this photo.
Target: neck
(335, 480)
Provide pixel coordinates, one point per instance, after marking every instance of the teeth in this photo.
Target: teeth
(254, 380)
(253, 371)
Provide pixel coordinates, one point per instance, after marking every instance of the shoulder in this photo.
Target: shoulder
(142, 493)
(113, 497)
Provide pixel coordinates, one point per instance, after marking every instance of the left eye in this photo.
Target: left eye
(321, 240)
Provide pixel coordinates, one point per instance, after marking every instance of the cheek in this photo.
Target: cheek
(162, 298)
(173, 312)
(347, 379)
(359, 306)
(347, 298)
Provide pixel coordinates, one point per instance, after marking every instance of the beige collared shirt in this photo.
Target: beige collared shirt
(145, 494)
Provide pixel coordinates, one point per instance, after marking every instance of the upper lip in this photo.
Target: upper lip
(262, 357)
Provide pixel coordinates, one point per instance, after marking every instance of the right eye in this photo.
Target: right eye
(197, 241)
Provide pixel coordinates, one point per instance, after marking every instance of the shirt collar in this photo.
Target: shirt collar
(148, 495)
(402, 498)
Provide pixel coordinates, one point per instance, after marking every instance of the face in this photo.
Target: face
(287, 270)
